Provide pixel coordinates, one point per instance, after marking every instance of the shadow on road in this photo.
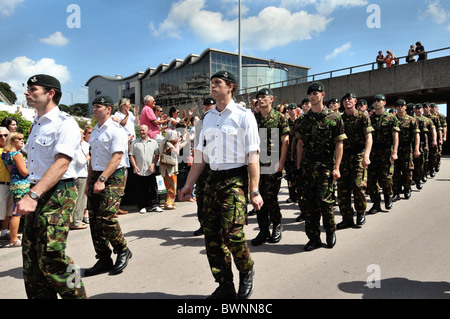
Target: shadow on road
(399, 288)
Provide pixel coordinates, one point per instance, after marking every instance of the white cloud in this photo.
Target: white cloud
(272, 27)
(339, 51)
(20, 69)
(437, 12)
(7, 7)
(56, 39)
(325, 7)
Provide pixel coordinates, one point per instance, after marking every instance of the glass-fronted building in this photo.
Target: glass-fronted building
(184, 83)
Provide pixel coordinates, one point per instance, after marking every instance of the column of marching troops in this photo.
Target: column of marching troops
(392, 151)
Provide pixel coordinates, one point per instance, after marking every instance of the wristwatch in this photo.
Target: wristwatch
(255, 193)
(102, 179)
(34, 195)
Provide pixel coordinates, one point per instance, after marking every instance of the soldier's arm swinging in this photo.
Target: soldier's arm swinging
(394, 154)
(338, 152)
(417, 145)
(253, 172)
(367, 150)
(196, 169)
(109, 170)
(299, 152)
(284, 151)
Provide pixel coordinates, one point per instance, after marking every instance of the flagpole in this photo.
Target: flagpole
(240, 48)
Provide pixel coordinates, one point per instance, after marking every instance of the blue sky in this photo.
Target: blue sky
(113, 37)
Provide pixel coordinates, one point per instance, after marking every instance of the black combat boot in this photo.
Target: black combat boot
(276, 234)
(313, 244)
(388, 202)
(262, 237)
(360, 218)
(245, 285)
(407, 193)
(103, 265)
(224, 291)
(375, 208)
(345, 223)
(331, 239)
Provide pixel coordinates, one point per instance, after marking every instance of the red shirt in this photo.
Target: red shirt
(147, 116)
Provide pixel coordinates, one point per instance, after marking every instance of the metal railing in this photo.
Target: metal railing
(369, 67)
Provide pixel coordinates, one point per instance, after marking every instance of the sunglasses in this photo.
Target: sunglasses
(3, 135)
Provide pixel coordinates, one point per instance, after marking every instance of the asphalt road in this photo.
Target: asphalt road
(403, 253)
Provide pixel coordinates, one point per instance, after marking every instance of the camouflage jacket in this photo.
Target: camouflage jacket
(356, 127)
(408, 129)
(424, 125)
(319, 133)
(436, 121)
(384, 125)
(274, 120)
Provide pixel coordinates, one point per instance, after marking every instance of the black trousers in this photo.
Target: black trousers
(147, 191)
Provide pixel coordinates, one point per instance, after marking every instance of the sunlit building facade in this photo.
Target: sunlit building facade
(184, 83)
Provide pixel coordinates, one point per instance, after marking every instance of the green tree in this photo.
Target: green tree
(23, 125)
(5, 88)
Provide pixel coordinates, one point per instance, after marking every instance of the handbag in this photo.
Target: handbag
(167, 159)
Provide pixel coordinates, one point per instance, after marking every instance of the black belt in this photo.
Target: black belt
(229, 173)
(4, 183)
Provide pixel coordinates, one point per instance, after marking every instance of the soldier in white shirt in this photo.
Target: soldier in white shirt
(48, 207)
(105, 186)
(229, 142)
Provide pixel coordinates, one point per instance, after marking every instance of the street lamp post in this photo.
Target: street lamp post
(240, 46)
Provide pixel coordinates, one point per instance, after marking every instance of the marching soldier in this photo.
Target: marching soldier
(427, 137)
(408, 144)
(383, 154)
(270, 182)
(54, 137)
(443, 136)
(320, 137)
(105, 186)
(434, 150)
(290, 164)
(230, 143)
(356, 158)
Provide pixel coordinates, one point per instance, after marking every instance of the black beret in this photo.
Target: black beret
(316, 87)
(103, 100)
(225, 75)
(264, 91)
(400, 103)
(380, 97)
(209, 101)
(349, 94)
(44, 80)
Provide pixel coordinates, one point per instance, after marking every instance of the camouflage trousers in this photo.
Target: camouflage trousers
(403, 168)
(379, 173)
(103, 207)
(316, 186)
(419, 166)
(351, 182)
(290, 167)
(47, 270)
(433, 157)
(269, 186)
(225, 217)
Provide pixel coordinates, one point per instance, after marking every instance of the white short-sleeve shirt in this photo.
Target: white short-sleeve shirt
(106, 140)
(54, 133)
(129, 126)
(227, 137)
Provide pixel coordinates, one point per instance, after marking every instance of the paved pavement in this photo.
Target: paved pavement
(398, 254)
